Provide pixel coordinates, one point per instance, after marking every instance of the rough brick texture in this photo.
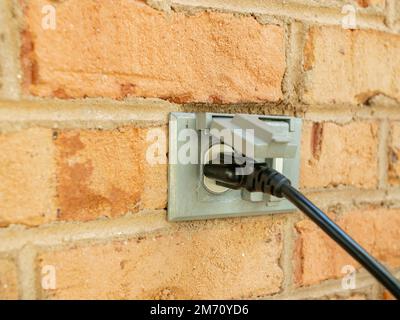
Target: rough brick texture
(350, 66)
(105, 173)
(369, 3)
(224, 259)
(331, 157)
(388, 296)
(79, 174)
(27, 180)
(126, 48)
(319, 258)
(8, 280)
(78, 190)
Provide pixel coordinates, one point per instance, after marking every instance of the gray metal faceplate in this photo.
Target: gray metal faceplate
(188, 199)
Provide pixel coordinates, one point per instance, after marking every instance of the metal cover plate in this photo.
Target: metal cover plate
(187, 197)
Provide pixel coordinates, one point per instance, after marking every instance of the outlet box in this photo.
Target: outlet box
(276, 141)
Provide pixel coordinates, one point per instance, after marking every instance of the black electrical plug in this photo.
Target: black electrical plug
(231, 174)
(231, 169)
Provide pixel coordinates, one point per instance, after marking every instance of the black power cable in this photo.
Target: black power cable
(270, 181)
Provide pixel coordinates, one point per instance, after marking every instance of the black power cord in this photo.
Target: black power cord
(267, 180)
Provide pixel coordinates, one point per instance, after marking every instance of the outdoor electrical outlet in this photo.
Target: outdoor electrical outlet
(198, 138)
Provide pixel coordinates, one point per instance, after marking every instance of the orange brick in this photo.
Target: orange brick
(394, 154)
(388, 296)
(370, 3)
(155, 175)
(216, 259)
(8, 280)
(126, 48)
(27, 186)
(350, 66)
(334, 154)
(319, 258)
(105, 173)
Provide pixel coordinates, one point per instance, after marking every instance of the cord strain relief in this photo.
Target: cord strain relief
(267, 180)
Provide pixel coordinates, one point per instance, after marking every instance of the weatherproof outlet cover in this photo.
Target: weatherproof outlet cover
(188, 197)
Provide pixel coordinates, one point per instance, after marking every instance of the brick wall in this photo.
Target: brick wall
(79, 204)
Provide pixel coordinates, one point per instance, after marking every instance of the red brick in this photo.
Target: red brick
(215, 260)
(78, 175)
(350, 66)
(371, 3)
(388, 296)
(334, 154)
(126, 48)
(319, 258)
(105, 173)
